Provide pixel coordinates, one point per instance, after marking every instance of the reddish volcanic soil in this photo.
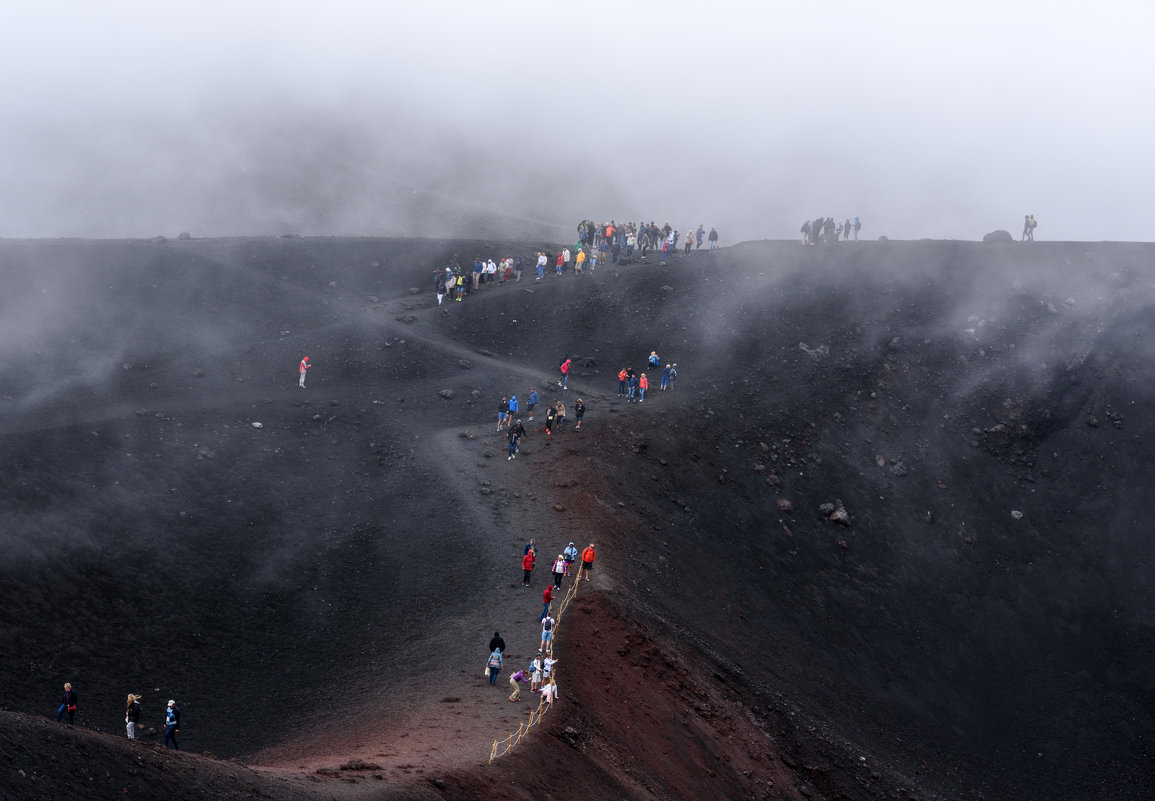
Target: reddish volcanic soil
(886, 537)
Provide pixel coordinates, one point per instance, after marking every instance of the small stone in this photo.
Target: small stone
(557, 507)
(785, 506)
(257, 425)
(1016, 514)
(446, 393)
(464, 364)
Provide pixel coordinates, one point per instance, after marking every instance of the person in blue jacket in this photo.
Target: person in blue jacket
(665, 377)
(495, 663)
(533, 400)
(171, 724)
(512, 406)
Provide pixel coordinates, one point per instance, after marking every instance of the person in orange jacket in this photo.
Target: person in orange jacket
(527, 565)
(588, 556)
(643, 385)
(623, 376)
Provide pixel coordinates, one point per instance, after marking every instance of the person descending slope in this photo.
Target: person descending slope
(304, 368)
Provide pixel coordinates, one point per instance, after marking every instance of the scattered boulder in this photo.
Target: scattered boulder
(840, 515)
(446, 393)
(360, 764)
(826, 509)
(464, 364)
(184, 235)
(998, 237)
(785, 506)
(257, 425)
(899, 469)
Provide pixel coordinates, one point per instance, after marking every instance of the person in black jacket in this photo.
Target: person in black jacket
(132, 715)
(68, 703)
(496, 643)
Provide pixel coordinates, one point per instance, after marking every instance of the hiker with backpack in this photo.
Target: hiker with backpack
(493, 666)
(547, 624)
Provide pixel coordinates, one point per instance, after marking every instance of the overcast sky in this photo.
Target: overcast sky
(142, 118)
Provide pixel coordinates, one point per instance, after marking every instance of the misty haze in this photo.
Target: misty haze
(876, 529)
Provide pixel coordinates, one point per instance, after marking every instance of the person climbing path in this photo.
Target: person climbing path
(565, 367)
(171, 724)
(304, 368)
(69, 701)
(494, 666)
(588, 557)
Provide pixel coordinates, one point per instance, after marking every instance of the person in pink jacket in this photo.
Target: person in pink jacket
(643, 385)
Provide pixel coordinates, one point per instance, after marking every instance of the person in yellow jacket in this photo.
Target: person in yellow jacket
(579, 260)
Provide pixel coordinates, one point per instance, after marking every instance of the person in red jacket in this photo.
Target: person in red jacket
(643, 385)
(588, 556)
(546, 600)
(564, 367)
(623, 376)
(527, 565)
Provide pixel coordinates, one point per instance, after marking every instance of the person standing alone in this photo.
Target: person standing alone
(132, 715)
(304, 368)
(171, 724)
(588, 557)
(68, 703)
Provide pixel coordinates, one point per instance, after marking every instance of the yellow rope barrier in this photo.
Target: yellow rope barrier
(504, 747)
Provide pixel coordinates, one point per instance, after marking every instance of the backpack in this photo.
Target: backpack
(548, 624)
